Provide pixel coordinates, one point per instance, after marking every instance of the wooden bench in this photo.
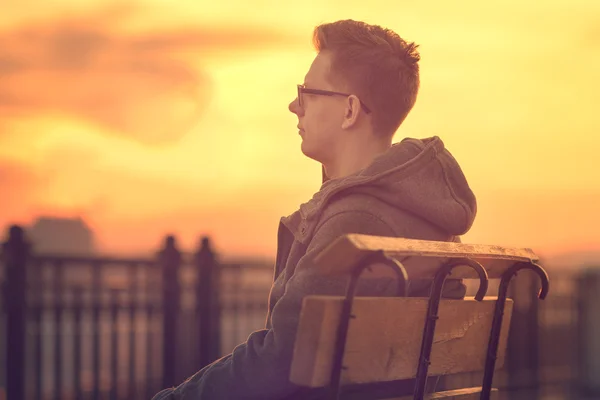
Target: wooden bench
(347, 341)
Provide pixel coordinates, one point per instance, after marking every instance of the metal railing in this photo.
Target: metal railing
(83, 327)
(96, 327)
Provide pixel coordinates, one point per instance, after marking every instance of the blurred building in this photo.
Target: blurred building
(61, 235)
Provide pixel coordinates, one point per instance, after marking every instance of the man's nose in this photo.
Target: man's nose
(294, 107)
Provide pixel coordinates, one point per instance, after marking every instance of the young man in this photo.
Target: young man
(360, 87)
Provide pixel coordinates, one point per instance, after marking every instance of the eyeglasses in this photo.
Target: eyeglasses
(302, 89)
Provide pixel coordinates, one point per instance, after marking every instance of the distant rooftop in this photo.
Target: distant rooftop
(61, 235)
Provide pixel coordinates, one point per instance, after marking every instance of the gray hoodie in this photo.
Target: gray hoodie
(414, 190)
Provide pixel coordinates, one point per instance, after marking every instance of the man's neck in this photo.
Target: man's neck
(355, 157)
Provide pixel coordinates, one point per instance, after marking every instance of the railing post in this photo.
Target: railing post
(588, 329)
(207, 302)
(15, 254)
(170, 261)
(522, 358)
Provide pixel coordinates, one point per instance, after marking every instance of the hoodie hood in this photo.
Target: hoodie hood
(415, 175)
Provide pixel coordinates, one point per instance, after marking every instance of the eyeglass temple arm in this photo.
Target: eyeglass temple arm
(324, 177)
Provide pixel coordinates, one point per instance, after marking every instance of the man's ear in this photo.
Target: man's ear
(351, 111)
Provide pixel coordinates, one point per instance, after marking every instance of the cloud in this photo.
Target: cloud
(19, 184)
(15, 178)
(132, 84)
(591, 36)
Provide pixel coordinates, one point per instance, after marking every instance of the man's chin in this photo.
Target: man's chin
(308, 152)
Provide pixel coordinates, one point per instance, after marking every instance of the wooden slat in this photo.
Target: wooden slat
(384, 339)
(421, 258)
(459, 394)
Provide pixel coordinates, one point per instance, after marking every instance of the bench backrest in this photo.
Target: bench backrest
(384, 339)
(385, 334)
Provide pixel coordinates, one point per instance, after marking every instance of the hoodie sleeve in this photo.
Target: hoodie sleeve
(260, 367)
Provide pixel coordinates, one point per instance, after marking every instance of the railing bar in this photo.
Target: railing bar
(149, 375)
(93, 261)
(58, 328)
(133, 277)
(77, 348)
(96, 303)
(37, 329)
(114, 344)
(235, 307)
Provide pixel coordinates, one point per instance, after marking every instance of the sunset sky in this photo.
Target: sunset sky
(155, 116)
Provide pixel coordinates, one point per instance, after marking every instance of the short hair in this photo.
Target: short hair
(374, 63)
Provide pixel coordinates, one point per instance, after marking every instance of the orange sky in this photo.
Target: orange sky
(160, 116)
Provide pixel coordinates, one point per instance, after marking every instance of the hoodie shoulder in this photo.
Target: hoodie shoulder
(357, 208)
(416, 180)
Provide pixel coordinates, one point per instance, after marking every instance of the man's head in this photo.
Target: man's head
(374, 77)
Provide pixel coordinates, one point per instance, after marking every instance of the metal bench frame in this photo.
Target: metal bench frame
(440, 276)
